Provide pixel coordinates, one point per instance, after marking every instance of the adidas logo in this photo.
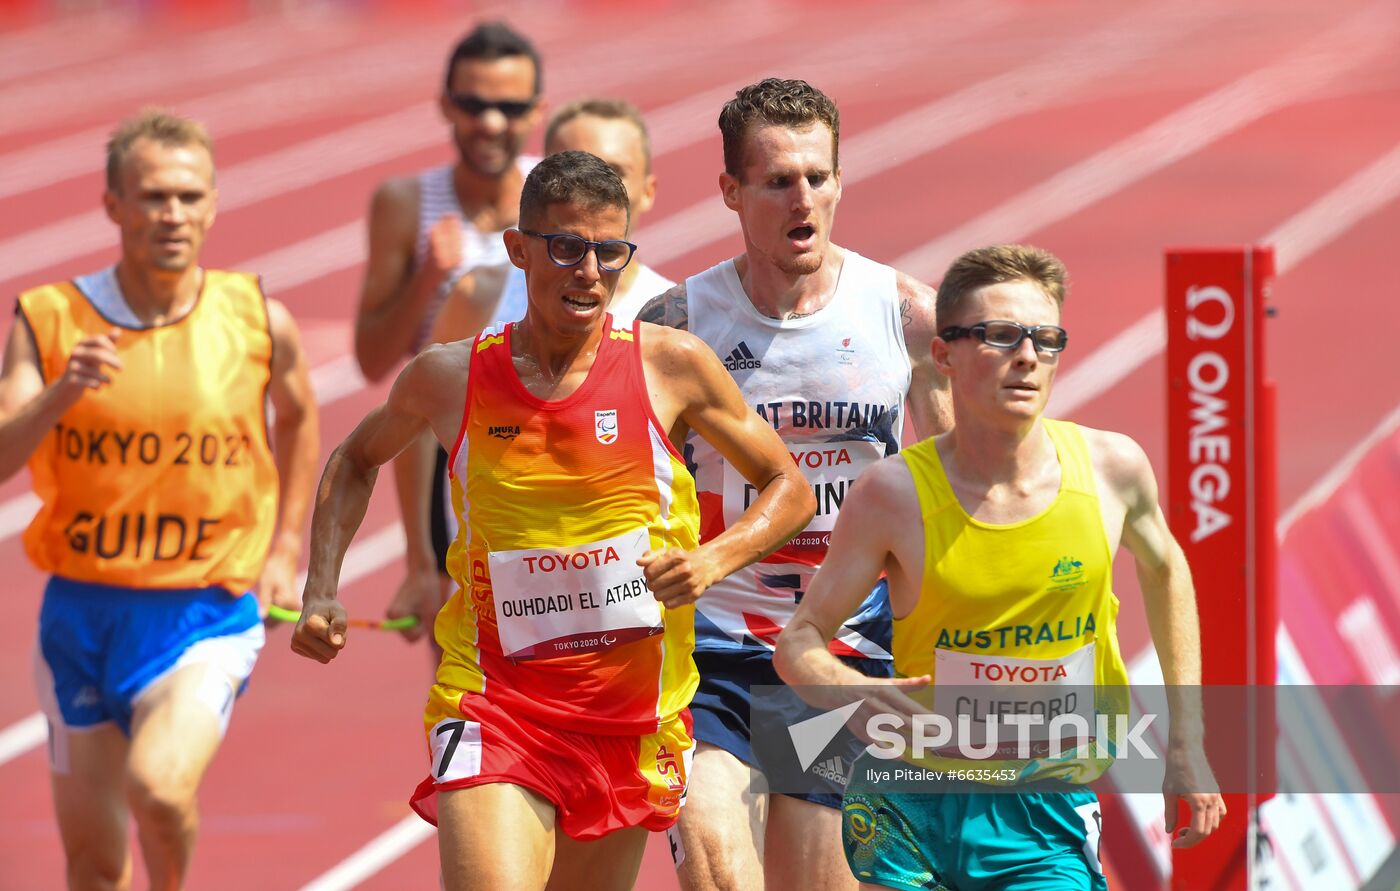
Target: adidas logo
(742, 357)
(833, 770)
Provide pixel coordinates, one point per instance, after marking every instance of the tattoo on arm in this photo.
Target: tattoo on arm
(906, 314)
(670, 309)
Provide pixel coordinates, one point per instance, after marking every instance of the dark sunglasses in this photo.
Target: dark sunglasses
(569, 250)
(476, 106)
(1008, 335)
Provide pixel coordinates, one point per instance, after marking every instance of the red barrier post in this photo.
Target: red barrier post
(1221, 505)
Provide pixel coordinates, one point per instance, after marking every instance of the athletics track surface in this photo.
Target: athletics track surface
(1103, 131)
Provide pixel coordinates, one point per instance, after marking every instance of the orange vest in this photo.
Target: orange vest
(165, 477)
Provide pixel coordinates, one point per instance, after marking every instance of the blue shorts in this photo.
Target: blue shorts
(721, 709)
(100, 646)
(978, 841)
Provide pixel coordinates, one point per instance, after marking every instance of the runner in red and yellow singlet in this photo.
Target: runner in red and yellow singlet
(558, 728)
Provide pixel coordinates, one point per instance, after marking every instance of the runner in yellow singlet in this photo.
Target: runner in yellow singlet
(998, 540)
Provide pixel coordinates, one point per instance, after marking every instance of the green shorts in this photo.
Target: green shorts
(992, 841)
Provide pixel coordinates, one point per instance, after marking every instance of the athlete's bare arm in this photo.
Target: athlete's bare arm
(690, 390)
(428, 396)
(28, 408)
(1170, 599)
(930, 403)
(669, 309)
(396, 292)
(878, 530)
(471, 305)
(296, 443)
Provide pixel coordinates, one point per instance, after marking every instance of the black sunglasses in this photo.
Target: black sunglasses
(476, 106)
(1008, 335)
(569, 250)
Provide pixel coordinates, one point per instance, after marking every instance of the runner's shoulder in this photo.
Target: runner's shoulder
(395, 204)
(1118, 459)
(885, 483)
(669, 309)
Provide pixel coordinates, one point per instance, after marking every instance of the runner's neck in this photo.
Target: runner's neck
(156, 296)
(782, 295)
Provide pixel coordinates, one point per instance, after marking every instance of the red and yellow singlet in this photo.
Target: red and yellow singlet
(557, 500)
(163, 479)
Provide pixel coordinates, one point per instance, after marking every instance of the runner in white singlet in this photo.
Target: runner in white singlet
(832, 349)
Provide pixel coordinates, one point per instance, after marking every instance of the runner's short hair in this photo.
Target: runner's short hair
(795, 104)
(996, 265)
(608, 109)
(488, 42)
(576, 178)
(157, 125)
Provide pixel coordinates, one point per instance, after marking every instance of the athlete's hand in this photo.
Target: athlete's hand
(890, 700)
(444, 252)
(1189, 779)
(90, 365)
(676, 577)
(420, 594)
(278, 584)
(320, 632)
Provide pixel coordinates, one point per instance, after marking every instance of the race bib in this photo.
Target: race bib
(994, 702)
(829, 467)
(563, 601)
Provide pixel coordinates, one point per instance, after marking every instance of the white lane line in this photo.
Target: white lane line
(295, 95)
(16, 513)
(242, 48)
(33, 51)
(339, 81)
(382, 850)
(22, 736)
(1039, 84)
(304, 164)
(1295, 240)
(1363, 37)
(1332, 480)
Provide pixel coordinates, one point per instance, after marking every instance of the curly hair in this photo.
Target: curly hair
(775, 102)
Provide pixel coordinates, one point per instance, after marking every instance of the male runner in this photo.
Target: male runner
(557, 725)
(828, 348)
(427, 231)
(614, 131)
(137, 396)
(989, 534)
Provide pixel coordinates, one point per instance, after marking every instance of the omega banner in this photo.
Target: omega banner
(1221, 506)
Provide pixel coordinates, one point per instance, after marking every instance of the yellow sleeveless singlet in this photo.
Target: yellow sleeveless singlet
(164, 478)
(1018, 620)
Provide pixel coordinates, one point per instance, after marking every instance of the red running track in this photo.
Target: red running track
(1104, 132)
